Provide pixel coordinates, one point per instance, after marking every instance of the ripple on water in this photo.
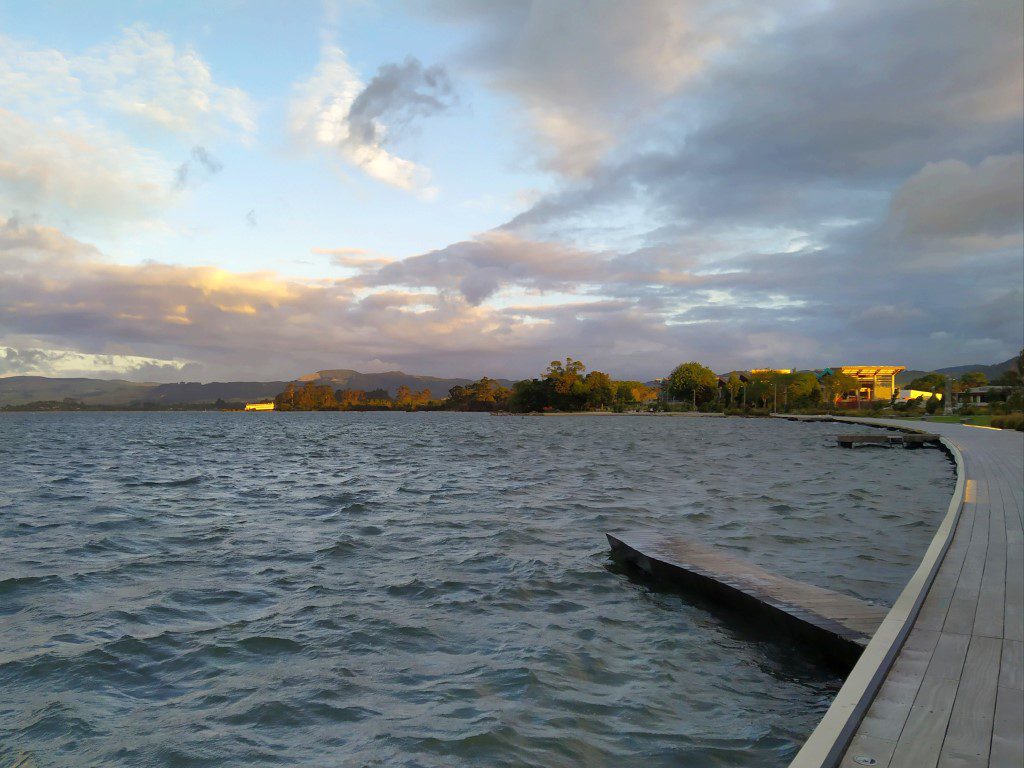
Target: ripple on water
(423, 590)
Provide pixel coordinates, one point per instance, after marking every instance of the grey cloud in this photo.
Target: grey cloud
(205, 159)
(206, 162)
(589, 73)
(18, 361)
(180, 177)
(822, 117)
(951, 198)
(397, 95)
(478, 268)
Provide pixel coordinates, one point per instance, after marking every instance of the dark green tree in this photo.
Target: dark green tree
(692, 382)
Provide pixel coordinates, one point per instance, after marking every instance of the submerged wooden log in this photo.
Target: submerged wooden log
(839, 626)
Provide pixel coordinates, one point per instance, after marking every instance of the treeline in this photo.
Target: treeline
(320, 397)
(567, 387)
(698, 386)
(564, 387)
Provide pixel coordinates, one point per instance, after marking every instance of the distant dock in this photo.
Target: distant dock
(838, 625)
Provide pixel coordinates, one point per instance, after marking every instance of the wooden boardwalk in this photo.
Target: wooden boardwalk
(941, 685)
(840, 626)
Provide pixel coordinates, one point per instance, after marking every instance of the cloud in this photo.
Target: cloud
(58, 153)
(802, 185)
(493, 305)
(355, 258)
(398, 94)
(69, 363)
(76, 166)
(818, 121)
(951, 198)
(589, 75)
(480, 267)
(335, 111)
(142, 74)
(205, 161)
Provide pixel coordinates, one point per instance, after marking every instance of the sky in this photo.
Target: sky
(257, 190)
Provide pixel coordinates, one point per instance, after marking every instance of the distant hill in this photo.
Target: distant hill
(991, 371)
(19, 390)
(194, 392)
(344, 378)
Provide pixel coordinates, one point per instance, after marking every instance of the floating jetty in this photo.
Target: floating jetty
(907, 440)
(838, 625)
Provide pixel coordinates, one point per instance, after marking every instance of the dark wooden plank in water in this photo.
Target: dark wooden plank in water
(842, 623)
(883, 438)
(919, 440)
(876, 438)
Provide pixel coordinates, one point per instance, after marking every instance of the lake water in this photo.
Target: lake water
(344, 589)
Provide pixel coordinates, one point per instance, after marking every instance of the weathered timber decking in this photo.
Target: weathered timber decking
(941, 684)
(839, 625)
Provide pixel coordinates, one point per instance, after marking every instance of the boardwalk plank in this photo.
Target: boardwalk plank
(1011, 665)
(969, 735)
(1008, 730)
(921, 740)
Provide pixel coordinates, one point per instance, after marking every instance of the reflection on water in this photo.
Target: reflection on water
(420, 589)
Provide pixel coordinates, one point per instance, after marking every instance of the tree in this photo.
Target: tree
(286, 400)
(483, 395)
(733, 385)
(970, 380)
(1007, 378)
(312, 397)
(761, 388)
(600, 391)
(530, 395)
(565, 376)
(934, 403)
(403, 397)
(799, 389)
(378, 397)
(349, 398)
(838, 384)
(692, 382)
(930, 382)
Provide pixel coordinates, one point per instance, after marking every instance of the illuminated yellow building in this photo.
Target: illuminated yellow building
(876, 382)
(913, 394)
(259, 406)
(771, 370)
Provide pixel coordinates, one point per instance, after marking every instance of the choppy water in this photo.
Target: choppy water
(420, 589)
